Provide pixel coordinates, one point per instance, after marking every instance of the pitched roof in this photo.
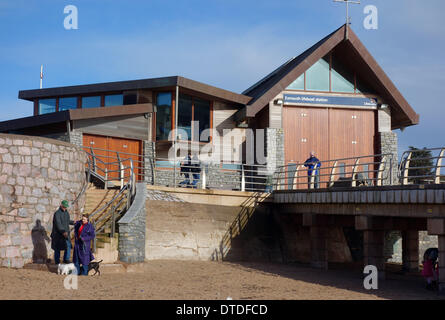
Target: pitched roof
(269, 87)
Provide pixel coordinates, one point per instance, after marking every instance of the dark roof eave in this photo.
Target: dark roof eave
(75, 114)
(154, 83)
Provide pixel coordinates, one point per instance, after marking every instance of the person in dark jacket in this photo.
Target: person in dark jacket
(84, 233)
(312, 163)
(185, 170)
(195, 170)
(60, 235)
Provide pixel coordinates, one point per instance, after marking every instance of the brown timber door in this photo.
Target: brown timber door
(110, 148)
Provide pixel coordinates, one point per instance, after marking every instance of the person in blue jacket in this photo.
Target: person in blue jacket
(84, 233)
(312, 163)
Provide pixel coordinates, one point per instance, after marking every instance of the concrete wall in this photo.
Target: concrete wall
(132, 229)
(187, 231)
(36, 174)
(192, 231)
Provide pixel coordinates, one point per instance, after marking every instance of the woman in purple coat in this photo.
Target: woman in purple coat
(83, 235)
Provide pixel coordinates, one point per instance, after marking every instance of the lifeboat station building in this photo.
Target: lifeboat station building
(333, 99)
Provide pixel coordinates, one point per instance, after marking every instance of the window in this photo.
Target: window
(185, 116)
(114, 100)
(196, 111)
(317, 76)
(163, 115)
(130, 98)
(91, 102)
(297, 84)
(201, 114)
(47, 106)
(342, 80)
(67, 103)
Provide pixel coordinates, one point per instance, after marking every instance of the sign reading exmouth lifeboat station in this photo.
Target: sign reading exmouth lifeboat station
(302, 99)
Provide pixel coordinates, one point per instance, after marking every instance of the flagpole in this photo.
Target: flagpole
(41, 76)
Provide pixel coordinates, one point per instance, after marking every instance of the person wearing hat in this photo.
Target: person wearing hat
(60, 235)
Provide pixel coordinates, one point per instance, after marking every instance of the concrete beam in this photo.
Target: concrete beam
(436, 226)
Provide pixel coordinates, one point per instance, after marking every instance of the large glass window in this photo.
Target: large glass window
(114, 100)
(47, 106)
(201, 114)
(163, 115)
(91, 102)
(185, 114)
(67, 103)
(297, 84)
(342, 80)
(317, 76)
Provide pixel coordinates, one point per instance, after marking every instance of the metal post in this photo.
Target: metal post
(243, 179)
(113, 209)
(439, 166)
(406, 169)
(106, 179)
(204, 178)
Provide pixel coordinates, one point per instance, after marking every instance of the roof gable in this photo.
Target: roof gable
(361, 60)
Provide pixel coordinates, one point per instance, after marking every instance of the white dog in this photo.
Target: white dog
(66, 269)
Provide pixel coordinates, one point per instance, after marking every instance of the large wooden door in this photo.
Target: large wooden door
(351, 134)
(331, 133)
(107, 150)
(305, 130)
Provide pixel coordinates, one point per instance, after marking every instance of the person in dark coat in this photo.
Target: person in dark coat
(312, 163)
(195, 170)
(84, 233)
(60, 235)
(185, 170)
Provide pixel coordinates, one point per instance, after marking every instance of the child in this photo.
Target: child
(430, 269)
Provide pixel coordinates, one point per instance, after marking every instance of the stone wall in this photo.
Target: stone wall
(274, 149)
(36, 174)
(132, 229)
(388, 145)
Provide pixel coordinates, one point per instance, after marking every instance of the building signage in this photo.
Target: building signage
(308, 99)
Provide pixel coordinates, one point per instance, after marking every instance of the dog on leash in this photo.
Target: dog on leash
(94, 266)
(66, 269)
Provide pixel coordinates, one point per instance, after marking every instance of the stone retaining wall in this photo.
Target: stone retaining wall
(36, 174)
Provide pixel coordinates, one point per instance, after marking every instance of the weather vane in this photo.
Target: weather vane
(348, 19)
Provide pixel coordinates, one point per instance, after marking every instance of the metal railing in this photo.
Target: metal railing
(207, 175)
(372, 170)
(422, 166)
(108, 214)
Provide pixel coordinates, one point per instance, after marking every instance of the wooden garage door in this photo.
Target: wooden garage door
(111, 147)
(305, 130)
(331, 133)
(351, 134)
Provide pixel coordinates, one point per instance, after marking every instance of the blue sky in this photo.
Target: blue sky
(226, 43)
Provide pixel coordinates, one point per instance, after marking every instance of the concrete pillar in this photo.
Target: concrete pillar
(319, 247)
(436, 226)
(442, 264)
(373, 245)
(410, 250)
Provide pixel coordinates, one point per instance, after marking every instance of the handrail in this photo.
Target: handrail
(361, 173)
(126, 193)
(412, 168)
